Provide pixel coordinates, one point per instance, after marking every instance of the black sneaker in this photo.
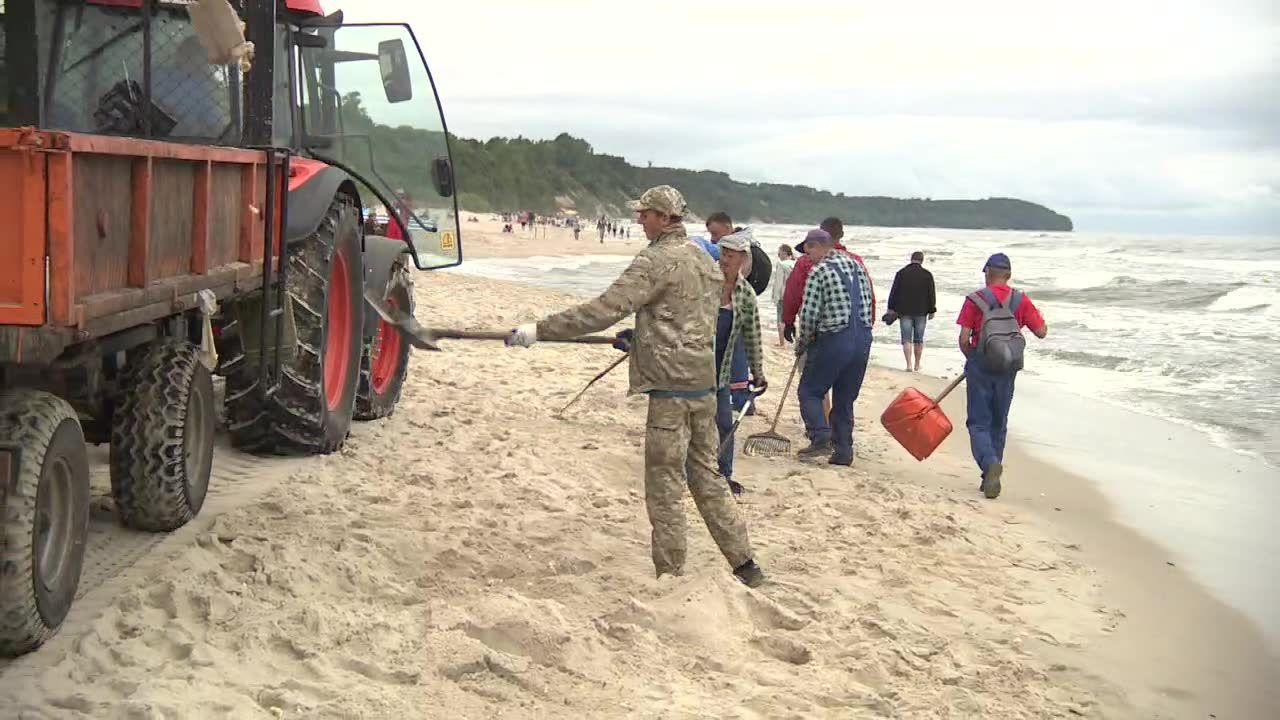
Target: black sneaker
(736, 488)
(750, 574)
(816, 448)
(991, 481)
(838, 459)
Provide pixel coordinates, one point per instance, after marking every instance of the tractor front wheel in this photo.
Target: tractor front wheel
(311, 411)
(384, 364)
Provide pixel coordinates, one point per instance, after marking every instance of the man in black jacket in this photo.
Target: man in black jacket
(913, 301)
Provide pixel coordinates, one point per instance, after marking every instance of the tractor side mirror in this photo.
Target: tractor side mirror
(442, 176)
(394, 63)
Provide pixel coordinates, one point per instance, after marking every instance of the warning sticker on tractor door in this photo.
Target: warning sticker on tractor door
(447, 241)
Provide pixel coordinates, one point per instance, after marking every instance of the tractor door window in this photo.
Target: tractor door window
(371, 105)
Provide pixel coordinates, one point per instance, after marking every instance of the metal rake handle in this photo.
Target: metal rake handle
(604, 372)
(782, 401)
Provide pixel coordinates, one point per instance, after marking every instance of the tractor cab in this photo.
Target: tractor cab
(356, 97)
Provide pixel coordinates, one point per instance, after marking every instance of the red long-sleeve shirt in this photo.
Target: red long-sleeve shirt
(793, 294)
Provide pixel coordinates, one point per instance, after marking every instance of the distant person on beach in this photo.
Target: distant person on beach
(834, 335)
(991, 322)
(400, 209)
(577, 229)
(737, 324)
(719, 224)
(786, 261)
(673, 290)
(913, 301)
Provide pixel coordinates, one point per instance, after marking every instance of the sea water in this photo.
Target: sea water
(1158, 381)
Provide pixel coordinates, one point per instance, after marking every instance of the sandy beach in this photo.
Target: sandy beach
(485, 239)
(477, 556)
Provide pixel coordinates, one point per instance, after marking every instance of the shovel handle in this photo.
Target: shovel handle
(450, 334)
(949, 388)
(782, 400)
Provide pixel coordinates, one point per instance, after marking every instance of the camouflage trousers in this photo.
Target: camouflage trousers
(681, 434)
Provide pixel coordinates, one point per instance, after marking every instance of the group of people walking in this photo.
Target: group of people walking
(691, 317)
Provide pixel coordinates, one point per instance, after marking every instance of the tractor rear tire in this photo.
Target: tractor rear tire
(384, 364)
(162, 434)
(44, 517)
(311, 411)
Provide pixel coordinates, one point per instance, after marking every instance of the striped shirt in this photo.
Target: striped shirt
(827, 305)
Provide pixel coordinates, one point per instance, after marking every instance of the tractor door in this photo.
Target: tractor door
(370, 106)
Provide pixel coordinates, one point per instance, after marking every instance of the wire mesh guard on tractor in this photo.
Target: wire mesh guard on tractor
(98, 83)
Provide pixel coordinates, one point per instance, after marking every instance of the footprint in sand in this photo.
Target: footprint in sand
(767, 614)
(783, 648)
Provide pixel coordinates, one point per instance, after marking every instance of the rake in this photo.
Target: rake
(584, 390)
(770, 442)
(724, 444)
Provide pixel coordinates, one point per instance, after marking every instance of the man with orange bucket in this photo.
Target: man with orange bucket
(991, 322)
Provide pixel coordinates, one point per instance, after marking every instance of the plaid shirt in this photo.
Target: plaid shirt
(827, 304)
(746, 325)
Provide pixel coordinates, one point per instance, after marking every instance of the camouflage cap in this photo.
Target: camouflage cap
(664, 199)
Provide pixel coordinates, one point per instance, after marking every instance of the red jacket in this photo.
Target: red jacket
(393, 227)
(393, 230)
(793, 294)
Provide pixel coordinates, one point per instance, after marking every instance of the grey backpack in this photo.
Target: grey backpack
(1000, 339)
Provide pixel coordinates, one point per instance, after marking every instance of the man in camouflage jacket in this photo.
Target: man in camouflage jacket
(673, 288)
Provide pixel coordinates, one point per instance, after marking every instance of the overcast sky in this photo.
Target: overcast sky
(1127, 115)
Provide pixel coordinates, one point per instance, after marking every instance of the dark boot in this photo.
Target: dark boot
(839, 458)
(991, 481)
(736, 488)
(816, 447)
(750, 574)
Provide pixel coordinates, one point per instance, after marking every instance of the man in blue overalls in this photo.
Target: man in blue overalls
(1004, 311)
(834, 333)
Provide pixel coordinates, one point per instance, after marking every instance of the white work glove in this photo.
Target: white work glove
(524, 336)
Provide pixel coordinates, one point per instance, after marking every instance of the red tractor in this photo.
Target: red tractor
(165, 210)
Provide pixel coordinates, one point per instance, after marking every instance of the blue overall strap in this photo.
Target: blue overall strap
(855, 297)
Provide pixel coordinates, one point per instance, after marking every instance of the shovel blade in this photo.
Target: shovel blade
(404, 323)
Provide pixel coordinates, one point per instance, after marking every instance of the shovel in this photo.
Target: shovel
(917, 422)
(426, 338)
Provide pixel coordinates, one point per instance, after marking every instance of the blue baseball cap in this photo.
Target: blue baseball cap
(999, 261)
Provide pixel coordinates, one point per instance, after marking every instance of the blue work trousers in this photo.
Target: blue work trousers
(835, 362)
(990, 395)
(724, 423)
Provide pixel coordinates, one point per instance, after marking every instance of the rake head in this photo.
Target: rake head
(767, 444)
